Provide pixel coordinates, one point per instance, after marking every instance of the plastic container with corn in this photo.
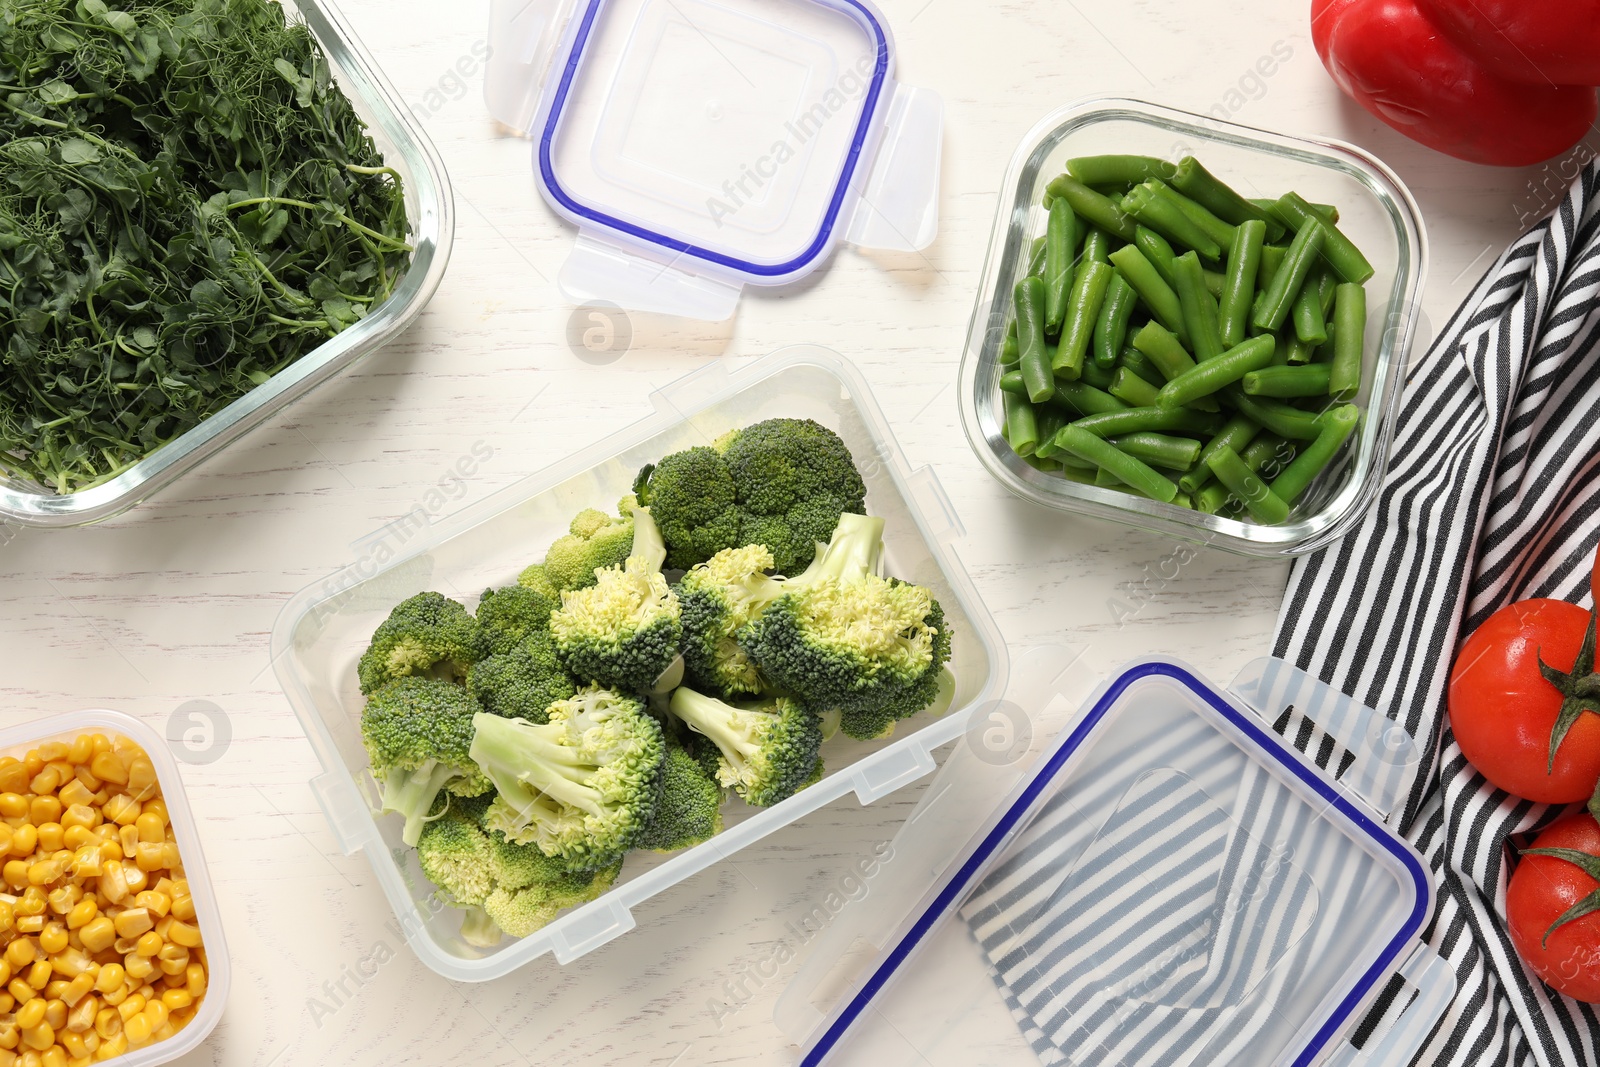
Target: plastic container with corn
(101, 951)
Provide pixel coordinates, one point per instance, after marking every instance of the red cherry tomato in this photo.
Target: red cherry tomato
(1502, 710)
(1542, 888)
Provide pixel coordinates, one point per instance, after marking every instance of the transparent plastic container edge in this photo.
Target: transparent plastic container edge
(584, 929)
(429, 209)
(219, 977)
(1395, 328)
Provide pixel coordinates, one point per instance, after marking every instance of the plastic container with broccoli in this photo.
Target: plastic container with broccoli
(692, 634)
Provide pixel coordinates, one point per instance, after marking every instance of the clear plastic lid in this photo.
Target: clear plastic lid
(1171, 884)
(702, 146)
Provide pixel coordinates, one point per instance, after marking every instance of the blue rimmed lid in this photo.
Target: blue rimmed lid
(700, 146)
(1170, 884)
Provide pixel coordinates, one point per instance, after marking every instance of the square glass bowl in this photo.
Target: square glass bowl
(1376, 211)
(18, 740)
(429, 213)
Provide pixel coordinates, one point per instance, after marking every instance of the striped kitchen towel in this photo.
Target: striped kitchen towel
(1493, 495)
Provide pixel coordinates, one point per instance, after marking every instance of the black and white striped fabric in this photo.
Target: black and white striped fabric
(1493, 495)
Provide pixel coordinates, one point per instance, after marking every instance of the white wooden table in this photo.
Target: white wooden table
(175, 601)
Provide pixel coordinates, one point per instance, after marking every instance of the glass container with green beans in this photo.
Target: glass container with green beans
(1195, 329)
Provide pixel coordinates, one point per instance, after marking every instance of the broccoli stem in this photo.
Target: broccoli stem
(516, 754)
(719, 722)
(411, 794)
(647, 541)
(478, 929)
(855, 551)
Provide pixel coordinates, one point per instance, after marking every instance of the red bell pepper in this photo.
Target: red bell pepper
(1543, 42)
(1391, 58)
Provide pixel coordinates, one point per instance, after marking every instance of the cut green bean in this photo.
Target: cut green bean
(1214, 283)
(1138, 363)
(1095, 375)
(1183, 500)
(1091, 207)
(1145, 203)
(1239, 289)
(1206, 189)
(1105, 170)
(1290, 276)
(1156, 293)
(1337, 425)
(1350, 331)
(1134, 390)
(1156, 249)
(1329, 213)
(1266, 457)
(1022, 427)
(1034, 361)
(1009, 350)
(1162, 348)
(1280, 418)
(1036, 257)
(1083, 310)
(1160, 420)
(1271, 260)
(1340, 252)
(1137, 474)
(1049, 466)
(1060, 245)
(1084, 476)
(1011, 382)
(1198, 309)
(1243, 483)
(1160, 450)
(1216, 229)
(1111, 328)
(1087, 400)
(1217, 372)
(1306, 312)
(1310, 379)
(1297, 351)
(1049, 418)
(1096, 247)
(1237, 434)
(1212, 498)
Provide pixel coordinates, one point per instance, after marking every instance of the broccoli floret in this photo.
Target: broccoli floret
(581, 787)
(623, 631)
(520, 912)
(690, 809)
(538, 579)
(595, 541)
(718, 598)
(499, 884)
(843, 638)
(507, 616)
(418, 734)
(782, 483)
(767, 751)
(691, 495)
(793, 478)
(427, 634)
(522, 683)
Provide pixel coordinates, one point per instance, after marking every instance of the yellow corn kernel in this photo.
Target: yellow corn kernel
(24, 839)
(149, 944)
(52, 750)
(39, 1037)
(82, 913)
(98, 934)
(79, 817)
(10, 1034)
(44, 873)
(116, 1046)
(149, 857)
(15, 873)
(64, 898)
(138, 966)
(131, 1007)
(169, 855)
(7, 917)
(183, 908)
(55, 1013)
(196, 974)
(47, 780)
(78, 838)
(82, 1016)
(53, 1056)
(152, 827)
(176, 999)
(30, 924)
(5, 838)
(116, 996)
(32, 901)
(42, 810)
(13, 805)
(32, 1014)
(163, 925)
(142, 775)
(107, 1024)
(5, 976)
(77, 991)
(184, 934)
(40, 973)
(136, 880)
(154, 901)
(53, 939)
(22, 991)
(51, 835)
(124, 945)
(173, 959)
(133, 921)
(113, 883)
(108, 768)
(110, 977)
(128, 838)
(54, 988)
(81, 748)
(20, 953)
(30, 1058)
(74, 794)
(84, 775)
(75, 1045)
